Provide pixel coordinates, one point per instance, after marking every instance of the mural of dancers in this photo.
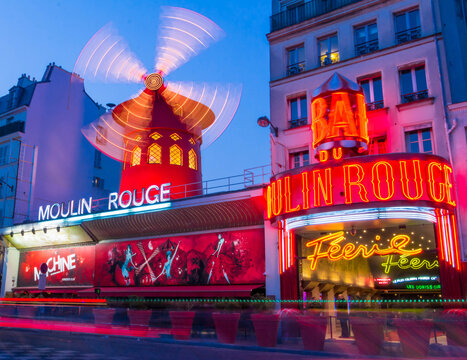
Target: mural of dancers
(231, 257)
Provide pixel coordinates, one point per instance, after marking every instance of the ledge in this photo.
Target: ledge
(416, 103)
(376, 111)
(298, 127)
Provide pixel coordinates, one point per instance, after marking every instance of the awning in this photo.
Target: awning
(176, 291)
(53, 290)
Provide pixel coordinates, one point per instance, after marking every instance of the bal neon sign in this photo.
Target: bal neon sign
(152, 195)
(335, 251)
(380, 178)
(404, 263)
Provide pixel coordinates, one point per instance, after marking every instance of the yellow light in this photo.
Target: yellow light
(176, 157)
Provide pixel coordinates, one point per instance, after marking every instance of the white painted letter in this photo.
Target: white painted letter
(113, 200)
(156, 197)
(44, 214)
(165, 191)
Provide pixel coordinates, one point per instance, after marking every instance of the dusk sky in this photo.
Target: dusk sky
(37, 32)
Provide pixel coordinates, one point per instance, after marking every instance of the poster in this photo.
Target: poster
(66, 266)
(233, 257)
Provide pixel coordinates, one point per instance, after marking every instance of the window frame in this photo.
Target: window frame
(416, 93)
(300, 120)
(329, 52)
(420, 140)
(298, 66)
(370, 45)
(373, 104)
(409, 33)
(293, 155)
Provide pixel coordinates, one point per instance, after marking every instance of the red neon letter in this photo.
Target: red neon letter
(417, 180)
(431, 180)
(276, 192)
(288, 197)
(341, 116)
(348, 183)
(319, 125)
(388, 178)
(326, 187)
(305, 191)
(448, 185)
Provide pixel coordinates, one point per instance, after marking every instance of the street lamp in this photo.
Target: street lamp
(263, 121)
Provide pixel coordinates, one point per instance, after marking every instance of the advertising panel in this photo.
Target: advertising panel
(233, 257)
(66, 266)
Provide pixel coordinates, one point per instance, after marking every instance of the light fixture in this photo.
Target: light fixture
(45, 230)
(58, 228)
(11, 234)
(353, 231)
(22, 232)
(33, 231)
(263, 121)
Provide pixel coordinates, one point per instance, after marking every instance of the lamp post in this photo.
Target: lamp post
(263, 121)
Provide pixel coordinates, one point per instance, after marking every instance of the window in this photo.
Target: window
(295, 60)
(136, 156)
(97, 159)
(155, 135)
(192, 141)
(413, 84)
(373, 90)
(378, 145)
(98, 182)
(366, 39)
(407, 26)
(175, 137)
(155, 154)
(176, 157)
(328, 51)
(297, 112)
(192, 160)
(298, 159)
(3, 154)
(419, 141)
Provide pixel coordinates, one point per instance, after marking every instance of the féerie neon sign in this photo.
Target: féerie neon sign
(335, 251)
(405, 263)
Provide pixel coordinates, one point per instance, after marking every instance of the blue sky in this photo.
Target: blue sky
(37, 32)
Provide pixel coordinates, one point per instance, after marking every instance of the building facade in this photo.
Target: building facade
(395, 50)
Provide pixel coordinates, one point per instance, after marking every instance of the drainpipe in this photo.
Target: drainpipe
(446, 120)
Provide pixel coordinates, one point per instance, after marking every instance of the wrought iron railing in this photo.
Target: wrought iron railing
(298, 122)
(375, 105)
(296, 68)
(409, 34)
(419, 95)
(366, 47)
(251, 177)
(308, 10)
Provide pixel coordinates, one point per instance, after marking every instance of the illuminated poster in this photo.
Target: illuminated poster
(234, 257)
(67, 266)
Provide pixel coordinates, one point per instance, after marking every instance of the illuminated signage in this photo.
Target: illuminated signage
(152, 195)
(383, 281)
(404, 262)
(369, 179)
(334, 250)
(416, 278)
(423, 287)
(57, 265)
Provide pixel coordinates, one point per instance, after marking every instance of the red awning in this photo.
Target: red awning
(53, 290)
(177, 291)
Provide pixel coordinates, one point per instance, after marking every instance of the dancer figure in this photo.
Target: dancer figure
(125, 268)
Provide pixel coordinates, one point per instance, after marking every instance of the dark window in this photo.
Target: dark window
(295, 60)
(3, 154)
(98, 182)
(366, 39)
(378, 145)
(297, 112)
(298, 159)
(373, 90)
(407, 26)
(413, 84)
(328, 50)
(97, 159)
(419, 141)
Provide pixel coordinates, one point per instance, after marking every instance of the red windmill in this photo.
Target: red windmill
(158, 134)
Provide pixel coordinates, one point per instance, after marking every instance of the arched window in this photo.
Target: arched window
(192, 160)
(136, 156)
(155, 154)
(176, 155)
(155, 135)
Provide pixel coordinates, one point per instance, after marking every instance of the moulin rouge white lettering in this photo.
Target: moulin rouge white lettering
(57, 265)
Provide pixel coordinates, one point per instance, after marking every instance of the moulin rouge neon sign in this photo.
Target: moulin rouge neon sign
(380, 178)
(330, 247)
(152, 195)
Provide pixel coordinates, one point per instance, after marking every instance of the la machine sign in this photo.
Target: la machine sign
(123, 200)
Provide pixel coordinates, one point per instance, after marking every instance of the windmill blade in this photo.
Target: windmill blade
(207, 109)
(113, 139)
(107, 57)
(183, 34)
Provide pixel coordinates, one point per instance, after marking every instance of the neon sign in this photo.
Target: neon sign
(379, 178)
(335, 251)
(152, 195)
(405, 263)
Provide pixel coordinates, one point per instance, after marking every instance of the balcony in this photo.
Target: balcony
(296, 68)
(409, 34)
(419, 95)
(366, 47)
(308, 10)
(297, 123)
(375, 105)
